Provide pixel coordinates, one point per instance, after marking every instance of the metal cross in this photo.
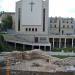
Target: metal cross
(32, 3)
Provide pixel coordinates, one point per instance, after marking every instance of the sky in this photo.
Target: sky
(59, 8)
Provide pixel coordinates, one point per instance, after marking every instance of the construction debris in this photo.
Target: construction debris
(37, 60)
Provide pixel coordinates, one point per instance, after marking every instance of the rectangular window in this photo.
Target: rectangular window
(29, 29)
(26, 29)
(50, 25)
(71, 21)
(55, 21)
(55, 26)
(32, 29)
(50, 21)
(43, 19)
(67, 26)
(36, 29)
(59, 26)
(36, 39)
(67, 21)
(19, 11)
(63, 21)
(63, 26)
(72, 26)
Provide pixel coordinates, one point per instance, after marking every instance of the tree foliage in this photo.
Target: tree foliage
(1, 42)
(7, 22)
(1, 13)
(3, 46)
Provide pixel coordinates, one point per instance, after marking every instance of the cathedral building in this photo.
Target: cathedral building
(33, 30)
(31, 24)
(32, 16)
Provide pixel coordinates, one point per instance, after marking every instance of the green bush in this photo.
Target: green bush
(57, 50)
(64, 49)
(67, 49)
(3, 46)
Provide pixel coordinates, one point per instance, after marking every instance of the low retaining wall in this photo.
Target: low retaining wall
(62, 53)
(42, 73)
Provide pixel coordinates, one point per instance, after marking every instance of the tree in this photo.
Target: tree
(1, 13)
(7, 22)
(1, 42)
(0, 27)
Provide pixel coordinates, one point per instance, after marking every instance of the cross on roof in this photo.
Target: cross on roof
(31, 3)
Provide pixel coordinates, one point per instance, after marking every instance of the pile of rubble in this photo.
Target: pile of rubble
(37, 60)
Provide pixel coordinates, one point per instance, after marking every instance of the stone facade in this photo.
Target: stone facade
(61, 26)
(32, 17)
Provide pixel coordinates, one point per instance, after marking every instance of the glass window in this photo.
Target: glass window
(55, 26)
(55, 21)
(72, 26)
(26, 29)
(19, 15)
(67, 21)
(50, 21)
(71, 22)
(51, 25)
(67, 26)
(32, 29)
(36, 39)
(29, 29)
(63, 21)
(35, 29)
(63, 26)
(44, 12)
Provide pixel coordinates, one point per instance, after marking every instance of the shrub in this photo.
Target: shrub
(64, 49)
(57, 50)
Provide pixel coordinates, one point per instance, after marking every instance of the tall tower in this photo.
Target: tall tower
(32, 16)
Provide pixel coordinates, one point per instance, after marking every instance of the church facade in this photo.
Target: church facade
(32, 28)
(32, 16)
(32, 22)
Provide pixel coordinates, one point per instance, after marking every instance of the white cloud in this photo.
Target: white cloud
(8, 5)
(64, 8)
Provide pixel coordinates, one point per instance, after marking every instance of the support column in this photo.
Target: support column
(44, 48)
(53, 42)
(59, 42)
(72, 42)
(39, 46)
(32, 47)
(65, 42)
(15, 45)
(23, 47)
(50, 48)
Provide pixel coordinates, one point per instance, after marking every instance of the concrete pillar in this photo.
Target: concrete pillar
(32, 47)
(59, 42)
(23, 47)
(39, 46)
(72, 42)
(44, 48)
(50, 48)
(65, 42)
(53, 42)
(15, 45)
